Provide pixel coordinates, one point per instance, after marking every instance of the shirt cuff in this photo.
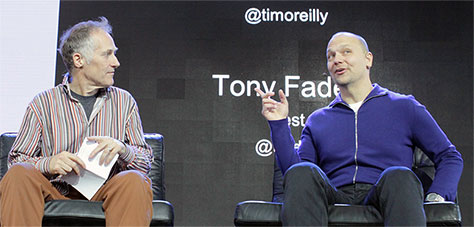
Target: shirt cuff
(128, 155)
(43, 165)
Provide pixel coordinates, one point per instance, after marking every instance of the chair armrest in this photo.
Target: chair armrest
(261, 213)
(257, 213)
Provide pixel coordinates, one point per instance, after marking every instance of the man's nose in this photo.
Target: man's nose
(337, 59)
(115, 62)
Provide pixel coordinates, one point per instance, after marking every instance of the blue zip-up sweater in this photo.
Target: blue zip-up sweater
(356, 147)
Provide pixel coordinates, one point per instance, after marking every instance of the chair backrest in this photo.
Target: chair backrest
(156, 173)
(423, 167)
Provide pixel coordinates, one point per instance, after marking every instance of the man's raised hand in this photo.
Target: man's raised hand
(271, 109)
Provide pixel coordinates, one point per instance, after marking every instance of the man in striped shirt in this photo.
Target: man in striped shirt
(84, 105)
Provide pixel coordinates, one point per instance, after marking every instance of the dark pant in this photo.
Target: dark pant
(397, 194)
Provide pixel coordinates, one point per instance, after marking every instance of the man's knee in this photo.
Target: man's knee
(399, 174)
(302, 168)
(133, 178)
(304, 172)
(20, 173)
(20, 177)
(400, 179)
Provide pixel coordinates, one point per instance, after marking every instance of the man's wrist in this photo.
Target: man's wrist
(123, 151)
(43, 165)
(127, 156)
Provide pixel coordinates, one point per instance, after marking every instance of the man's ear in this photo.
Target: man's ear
(78, 60)
(370, 59)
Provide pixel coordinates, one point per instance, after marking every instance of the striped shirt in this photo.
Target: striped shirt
(55, 121)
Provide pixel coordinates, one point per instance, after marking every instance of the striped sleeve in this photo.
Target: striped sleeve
(138, 155)
(27, 146)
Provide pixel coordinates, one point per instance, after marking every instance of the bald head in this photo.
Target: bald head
(363, 43)
(349, 60)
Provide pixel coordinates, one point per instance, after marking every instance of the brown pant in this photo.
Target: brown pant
(127, 197)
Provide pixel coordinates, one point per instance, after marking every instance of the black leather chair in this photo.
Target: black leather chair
(261, 213)
(87, 213)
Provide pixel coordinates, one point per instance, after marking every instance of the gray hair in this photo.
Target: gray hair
(363, 43)
(77, 39)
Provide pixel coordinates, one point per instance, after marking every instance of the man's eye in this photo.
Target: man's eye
(108, 53)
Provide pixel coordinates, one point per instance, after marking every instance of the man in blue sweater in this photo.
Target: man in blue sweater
(359, 149)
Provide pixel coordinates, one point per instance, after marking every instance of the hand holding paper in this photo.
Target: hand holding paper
(65, 162)
(94, 175)
(107, 147)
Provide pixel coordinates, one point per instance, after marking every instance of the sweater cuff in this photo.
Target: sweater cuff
(274, 124)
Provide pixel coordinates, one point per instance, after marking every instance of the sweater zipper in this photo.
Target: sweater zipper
(356, 149)
(357, 138)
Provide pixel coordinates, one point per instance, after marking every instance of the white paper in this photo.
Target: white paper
(94, 176)
(87, 183)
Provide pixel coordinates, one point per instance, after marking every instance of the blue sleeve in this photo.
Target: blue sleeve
(284, 145)
(433, 141)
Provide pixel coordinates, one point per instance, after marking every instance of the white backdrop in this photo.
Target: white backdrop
(28, 37)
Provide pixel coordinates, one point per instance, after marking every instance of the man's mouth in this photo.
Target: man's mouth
(340, 71)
